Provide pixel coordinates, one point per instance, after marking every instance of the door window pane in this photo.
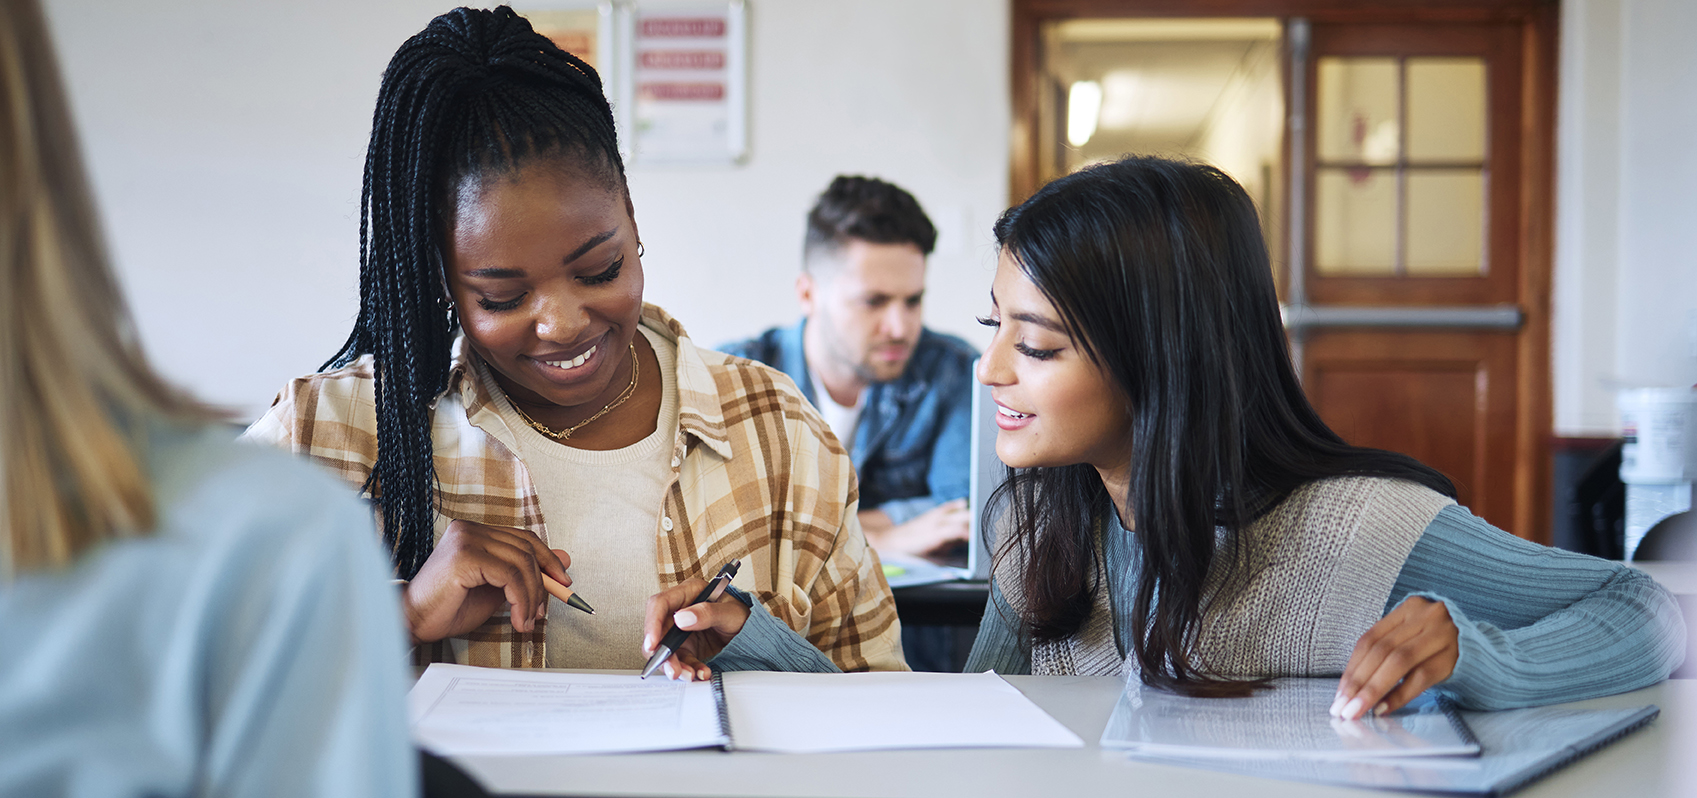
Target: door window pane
(1446, 222)
(1358, 110)
(1355, 221)
(1446, 109)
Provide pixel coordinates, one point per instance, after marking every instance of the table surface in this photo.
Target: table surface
(1678, 577)
(1654, 762)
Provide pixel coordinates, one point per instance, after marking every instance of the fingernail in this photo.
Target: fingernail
(1337, 706)
(1383, 707)
(684, 618)
(671, 673)
(648, 645)
(1352, 709)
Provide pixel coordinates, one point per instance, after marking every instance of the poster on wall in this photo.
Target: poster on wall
(686, 101)
(584, 28)
(576, 30)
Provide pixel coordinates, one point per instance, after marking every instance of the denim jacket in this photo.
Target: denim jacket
(912, 447)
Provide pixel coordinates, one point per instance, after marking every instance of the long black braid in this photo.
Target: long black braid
(476, 92)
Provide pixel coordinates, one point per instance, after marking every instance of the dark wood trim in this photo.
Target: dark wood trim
(1535, 470)
(1025, 162)
(1326, 10)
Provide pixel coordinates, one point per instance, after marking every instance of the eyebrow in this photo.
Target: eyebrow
(1042, 321)
(499, 273)
(496, 273)
(589, 245)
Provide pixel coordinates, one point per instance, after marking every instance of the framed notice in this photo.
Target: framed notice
(584, 28)
(686, 97)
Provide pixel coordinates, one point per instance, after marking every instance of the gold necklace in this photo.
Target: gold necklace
(560, 435)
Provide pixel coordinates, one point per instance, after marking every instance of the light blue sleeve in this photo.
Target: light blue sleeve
(1539, 625)
(998, 647)
(768, 644)
(306, 672)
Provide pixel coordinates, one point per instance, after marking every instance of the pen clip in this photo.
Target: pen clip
(722, 579)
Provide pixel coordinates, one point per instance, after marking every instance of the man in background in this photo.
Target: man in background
(897, 395)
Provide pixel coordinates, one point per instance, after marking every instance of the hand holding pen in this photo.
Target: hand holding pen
(686, 625)
(478, 569)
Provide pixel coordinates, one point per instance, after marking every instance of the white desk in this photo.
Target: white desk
(1659, 761)
(1680, 578)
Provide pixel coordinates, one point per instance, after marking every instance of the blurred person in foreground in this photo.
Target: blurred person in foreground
(181, 614)
(898, 395)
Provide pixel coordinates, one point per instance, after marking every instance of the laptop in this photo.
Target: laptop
(987, 473)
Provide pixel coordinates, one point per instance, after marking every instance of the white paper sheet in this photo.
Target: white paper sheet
(819, 712)
(1290, 721)
(462, 710)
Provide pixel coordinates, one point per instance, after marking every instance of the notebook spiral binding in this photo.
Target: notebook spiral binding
(724, 710)
(1462, 730)
(1573, 754)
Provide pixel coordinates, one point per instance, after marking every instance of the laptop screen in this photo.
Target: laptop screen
(988, 473)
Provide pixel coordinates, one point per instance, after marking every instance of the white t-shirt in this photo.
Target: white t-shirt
(841, 420)
(603, 509)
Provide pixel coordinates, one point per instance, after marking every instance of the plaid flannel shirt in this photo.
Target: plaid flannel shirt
(756, 476)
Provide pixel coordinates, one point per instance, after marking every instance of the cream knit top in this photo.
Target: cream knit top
(600, 508)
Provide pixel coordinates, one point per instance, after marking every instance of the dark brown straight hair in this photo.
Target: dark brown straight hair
(1159, 272)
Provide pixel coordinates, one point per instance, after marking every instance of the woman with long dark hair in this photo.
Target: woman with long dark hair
(506, 397)
(1179, 510)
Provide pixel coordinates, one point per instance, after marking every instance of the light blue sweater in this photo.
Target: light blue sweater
(251, 645)
(1537, 625)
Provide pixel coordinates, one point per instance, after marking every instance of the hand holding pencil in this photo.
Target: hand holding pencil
(565, 594)
(474, 571)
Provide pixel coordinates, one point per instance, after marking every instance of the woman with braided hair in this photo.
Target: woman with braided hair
(506, 397)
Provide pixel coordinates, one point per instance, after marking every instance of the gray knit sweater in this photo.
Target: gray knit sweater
(1537, 625)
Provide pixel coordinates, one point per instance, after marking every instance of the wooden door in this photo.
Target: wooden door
(1415, 259)
(1412, 308)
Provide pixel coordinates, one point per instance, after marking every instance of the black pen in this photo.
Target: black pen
(675, 638)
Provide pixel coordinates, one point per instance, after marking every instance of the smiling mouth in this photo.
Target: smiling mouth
(1002, 411)
(567, 365)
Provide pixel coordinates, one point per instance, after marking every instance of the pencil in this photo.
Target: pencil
(565, 594)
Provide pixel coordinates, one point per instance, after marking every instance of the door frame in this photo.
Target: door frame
(1539, 23)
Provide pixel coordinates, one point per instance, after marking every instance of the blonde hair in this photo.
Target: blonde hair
(75, 392)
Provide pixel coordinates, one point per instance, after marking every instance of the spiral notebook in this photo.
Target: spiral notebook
(1289, 721)
(459, 710)
(1282, 738)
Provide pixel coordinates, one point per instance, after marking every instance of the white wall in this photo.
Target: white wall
(1626, 242)
(226, 142)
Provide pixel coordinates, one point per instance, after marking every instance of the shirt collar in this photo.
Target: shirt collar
(700, 413)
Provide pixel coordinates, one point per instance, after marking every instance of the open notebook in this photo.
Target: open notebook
(459, 710)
